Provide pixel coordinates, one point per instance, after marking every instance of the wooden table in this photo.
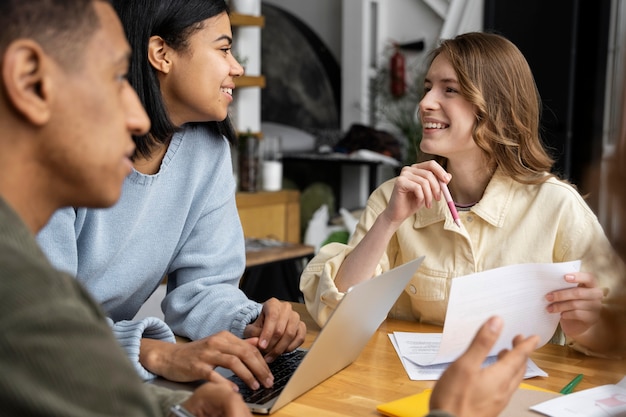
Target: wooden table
(378, 376)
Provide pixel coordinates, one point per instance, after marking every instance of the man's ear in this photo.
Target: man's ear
(159, 54)
(25, 78)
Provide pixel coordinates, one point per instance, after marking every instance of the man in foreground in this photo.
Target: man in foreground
(67, 114)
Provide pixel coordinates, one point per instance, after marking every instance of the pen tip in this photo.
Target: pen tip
(457, 222)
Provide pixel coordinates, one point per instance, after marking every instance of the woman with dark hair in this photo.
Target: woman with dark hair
(480, 117)
(177, 215)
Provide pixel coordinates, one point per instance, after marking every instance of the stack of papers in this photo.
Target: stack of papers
(410, 346)
(516, 293)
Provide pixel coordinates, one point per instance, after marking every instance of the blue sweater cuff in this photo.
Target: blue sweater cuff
(129, 334)
(245, 316)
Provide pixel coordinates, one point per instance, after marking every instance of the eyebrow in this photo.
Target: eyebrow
(443, 80)
(224, 37)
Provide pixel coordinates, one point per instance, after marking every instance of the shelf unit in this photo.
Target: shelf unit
(250, 81)
(246, 108)
(238, 19)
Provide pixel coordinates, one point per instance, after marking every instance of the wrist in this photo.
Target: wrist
(386, 222)
(153, 354)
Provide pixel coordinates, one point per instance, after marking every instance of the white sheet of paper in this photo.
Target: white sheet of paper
(407, 344)
(602, 401)
(516, 293)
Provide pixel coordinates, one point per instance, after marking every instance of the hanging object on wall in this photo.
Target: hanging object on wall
(397, 72)
(397, 65)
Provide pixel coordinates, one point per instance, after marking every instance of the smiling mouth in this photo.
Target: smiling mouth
(228, 91)
(431, 125)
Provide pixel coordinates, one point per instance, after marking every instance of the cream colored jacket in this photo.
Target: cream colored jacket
(513, 223)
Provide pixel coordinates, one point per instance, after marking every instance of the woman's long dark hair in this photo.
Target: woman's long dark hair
(174, 21)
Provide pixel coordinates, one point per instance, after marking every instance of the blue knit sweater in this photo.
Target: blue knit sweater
(181, 222)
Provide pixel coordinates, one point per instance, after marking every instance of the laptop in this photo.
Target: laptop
(359, 314)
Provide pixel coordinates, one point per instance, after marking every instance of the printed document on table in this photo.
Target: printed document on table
(409, 343)
(516, 293)
(602, 401)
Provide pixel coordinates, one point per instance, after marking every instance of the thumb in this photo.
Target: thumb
(254, 341)
(484, 340)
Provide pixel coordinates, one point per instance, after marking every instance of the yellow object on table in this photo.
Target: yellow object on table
(417, 405)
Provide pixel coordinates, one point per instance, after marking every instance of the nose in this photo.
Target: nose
(428, 102)
(236, 70)
(137, 120)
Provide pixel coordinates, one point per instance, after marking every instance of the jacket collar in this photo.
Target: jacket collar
(492, 207)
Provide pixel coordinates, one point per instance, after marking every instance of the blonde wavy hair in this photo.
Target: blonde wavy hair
(495, 77)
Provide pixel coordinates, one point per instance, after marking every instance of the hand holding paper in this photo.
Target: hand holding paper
(516, 293)
(581, 309)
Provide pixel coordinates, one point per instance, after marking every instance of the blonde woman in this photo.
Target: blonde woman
(480, 116)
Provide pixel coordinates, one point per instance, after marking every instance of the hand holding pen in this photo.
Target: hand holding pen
(417, 186)
(451, 206)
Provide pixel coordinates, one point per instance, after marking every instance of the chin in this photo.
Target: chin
(425, 148)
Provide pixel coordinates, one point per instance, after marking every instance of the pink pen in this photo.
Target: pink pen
(446, 194)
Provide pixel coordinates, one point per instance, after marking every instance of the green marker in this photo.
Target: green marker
(572, 384)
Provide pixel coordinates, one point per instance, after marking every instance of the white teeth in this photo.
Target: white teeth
(431, 125)
(227, 90)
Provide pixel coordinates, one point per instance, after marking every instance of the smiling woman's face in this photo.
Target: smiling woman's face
(199, 85)
(447, 117)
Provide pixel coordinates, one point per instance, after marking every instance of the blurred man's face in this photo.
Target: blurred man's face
(93, 118)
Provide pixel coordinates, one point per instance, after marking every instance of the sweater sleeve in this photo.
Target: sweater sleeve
(130, 332)
(203, 294)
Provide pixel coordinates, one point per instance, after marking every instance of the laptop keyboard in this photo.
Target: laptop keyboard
(282, 369)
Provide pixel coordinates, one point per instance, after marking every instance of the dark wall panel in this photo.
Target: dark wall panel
(565, 43)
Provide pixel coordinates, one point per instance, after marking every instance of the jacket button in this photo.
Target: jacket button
(412, 289)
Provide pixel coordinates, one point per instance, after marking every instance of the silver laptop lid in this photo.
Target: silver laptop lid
(359, 314)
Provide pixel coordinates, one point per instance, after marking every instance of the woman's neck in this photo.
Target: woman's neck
(468, 183)
(150, 165)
